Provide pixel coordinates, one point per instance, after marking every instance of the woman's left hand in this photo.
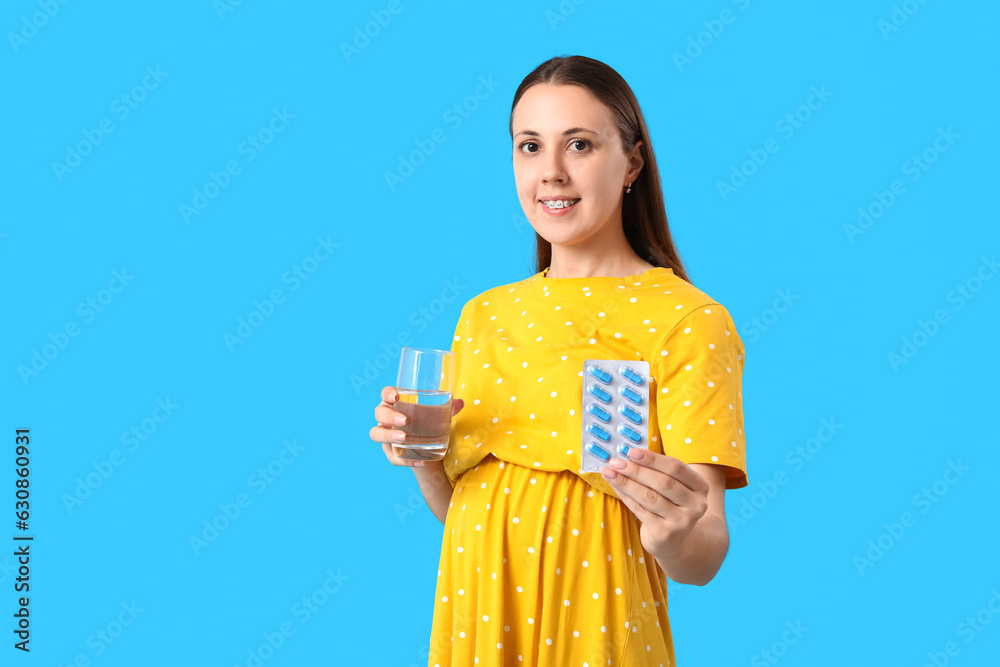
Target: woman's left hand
(666, 495)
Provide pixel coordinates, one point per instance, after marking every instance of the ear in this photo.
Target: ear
(635, 163)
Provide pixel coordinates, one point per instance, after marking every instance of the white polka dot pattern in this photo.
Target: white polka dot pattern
(584, 560)
(701, 389)
(696, 363)
(527, 530)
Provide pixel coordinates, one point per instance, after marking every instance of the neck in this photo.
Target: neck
(600, 257)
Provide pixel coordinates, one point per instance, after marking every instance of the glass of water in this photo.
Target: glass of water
(425, 384)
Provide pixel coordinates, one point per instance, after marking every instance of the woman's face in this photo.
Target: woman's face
(566, 146)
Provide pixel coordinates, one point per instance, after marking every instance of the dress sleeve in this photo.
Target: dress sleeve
(698, 372)
(458, 343)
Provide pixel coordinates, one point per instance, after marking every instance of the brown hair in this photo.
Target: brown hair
(644, 217)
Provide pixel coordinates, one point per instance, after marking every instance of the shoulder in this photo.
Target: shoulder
(669, 300)
(676, 312)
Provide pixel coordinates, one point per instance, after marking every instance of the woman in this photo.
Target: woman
(542, 563)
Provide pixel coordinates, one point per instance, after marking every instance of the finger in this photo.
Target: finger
(650, 498)
(668, 465)
(383, 434)
(665, 484)
(641, 512)
(389, 394)
(397, 461)
(386, 416)
(456, 406)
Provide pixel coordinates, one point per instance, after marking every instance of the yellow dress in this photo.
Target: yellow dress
(541, 564)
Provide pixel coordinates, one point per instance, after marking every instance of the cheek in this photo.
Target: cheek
(594, 181)
(522, 182)
(524, 195)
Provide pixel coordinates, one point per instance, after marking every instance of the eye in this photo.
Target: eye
(572, 143)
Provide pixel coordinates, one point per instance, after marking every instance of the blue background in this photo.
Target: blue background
(454, 228)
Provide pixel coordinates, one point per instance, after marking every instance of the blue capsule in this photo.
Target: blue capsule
(599, 412)
(599, 373)
(599, 393)
(630, 433)
(599, 432)
(631, 375)
(623, 449)
(631, 394)
(598, 452)
(630, 414)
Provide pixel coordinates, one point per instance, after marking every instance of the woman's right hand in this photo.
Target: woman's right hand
(387, 418)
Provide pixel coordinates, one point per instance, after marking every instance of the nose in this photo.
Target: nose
(553, 170)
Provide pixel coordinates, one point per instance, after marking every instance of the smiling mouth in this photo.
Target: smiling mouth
(560, 203)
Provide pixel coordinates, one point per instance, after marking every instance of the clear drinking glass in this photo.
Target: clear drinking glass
(425, 384)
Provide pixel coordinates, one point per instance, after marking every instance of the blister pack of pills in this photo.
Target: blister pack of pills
(615, 410)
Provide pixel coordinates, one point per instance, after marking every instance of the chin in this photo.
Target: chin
(567, 238)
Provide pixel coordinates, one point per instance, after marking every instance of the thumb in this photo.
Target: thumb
(456, 406)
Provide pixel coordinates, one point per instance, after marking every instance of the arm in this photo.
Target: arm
(681, 507)
(700, 555)
(431, 477)
(435, 486)
(687, 528)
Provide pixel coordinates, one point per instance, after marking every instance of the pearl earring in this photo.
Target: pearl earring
(628, 189)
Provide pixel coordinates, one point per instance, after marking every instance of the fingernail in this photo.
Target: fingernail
(401, 420)
(398, 436)
(418, 464)
(617, 463)
(609, 475)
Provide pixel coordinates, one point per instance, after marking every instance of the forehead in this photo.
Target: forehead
(550, 109)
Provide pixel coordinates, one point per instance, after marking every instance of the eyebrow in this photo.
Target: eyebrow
(572, 130)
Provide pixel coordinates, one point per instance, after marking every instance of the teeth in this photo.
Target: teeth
(560, 203)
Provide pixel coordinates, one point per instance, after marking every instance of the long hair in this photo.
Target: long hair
(644, 217)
